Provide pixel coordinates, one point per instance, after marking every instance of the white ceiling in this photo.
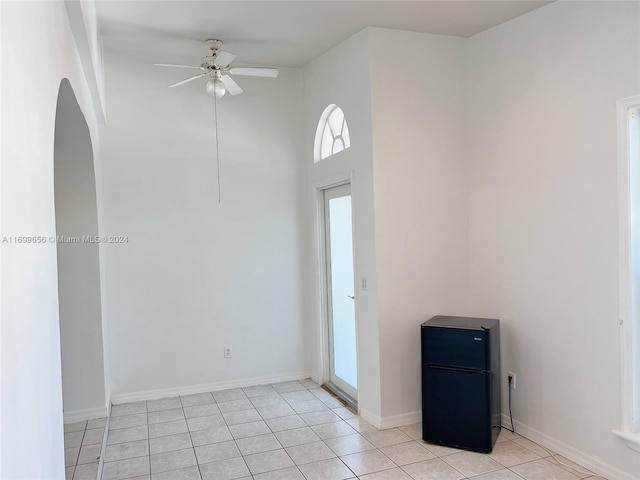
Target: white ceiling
(284, 33)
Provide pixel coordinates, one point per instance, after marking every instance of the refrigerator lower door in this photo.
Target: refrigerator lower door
(456, 408)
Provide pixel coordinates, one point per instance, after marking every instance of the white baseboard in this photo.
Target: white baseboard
(571, 453)
(392, 421)
(367, 416)
(401, 420)
(206, 387)
(87, 414)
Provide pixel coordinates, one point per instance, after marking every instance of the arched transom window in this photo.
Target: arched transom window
(332, 135)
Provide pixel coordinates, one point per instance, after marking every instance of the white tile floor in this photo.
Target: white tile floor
(82, 445)
(285, 431)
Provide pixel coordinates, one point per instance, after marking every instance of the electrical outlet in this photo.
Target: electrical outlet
(227, 352)
(363, 283)
(513, 379)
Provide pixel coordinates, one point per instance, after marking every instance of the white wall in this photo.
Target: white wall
(198, 275)
(83, 21)
(342, 76)
(543, 211)
(419, 171)
(79, 303)
(31, 396)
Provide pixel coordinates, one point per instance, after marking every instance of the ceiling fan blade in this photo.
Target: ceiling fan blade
(255, 71)
(223, 58)
(187, 80)
(175, 66)
(230, 84)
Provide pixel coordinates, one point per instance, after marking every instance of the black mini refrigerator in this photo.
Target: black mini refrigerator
(461, 382)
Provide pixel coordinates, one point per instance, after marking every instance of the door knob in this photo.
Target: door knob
(352, 297)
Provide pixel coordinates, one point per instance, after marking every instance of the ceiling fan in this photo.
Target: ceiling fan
(217, 67)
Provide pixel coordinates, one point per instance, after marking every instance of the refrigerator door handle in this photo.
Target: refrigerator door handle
(457, 369)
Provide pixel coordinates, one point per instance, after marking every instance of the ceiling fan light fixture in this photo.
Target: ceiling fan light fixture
(218, 67)
(215, 88)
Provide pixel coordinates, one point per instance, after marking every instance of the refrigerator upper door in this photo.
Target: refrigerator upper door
(455, 347)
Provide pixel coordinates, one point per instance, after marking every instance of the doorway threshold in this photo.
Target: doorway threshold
(348, 402)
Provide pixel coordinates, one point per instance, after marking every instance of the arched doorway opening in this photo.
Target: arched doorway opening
(79, 297)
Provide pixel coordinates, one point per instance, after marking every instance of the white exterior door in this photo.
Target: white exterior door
(340, 289)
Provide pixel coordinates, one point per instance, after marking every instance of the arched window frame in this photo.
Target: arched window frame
(334, 124)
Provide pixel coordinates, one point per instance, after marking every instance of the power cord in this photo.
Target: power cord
(554, 456)
(551, 454)
(512, 429)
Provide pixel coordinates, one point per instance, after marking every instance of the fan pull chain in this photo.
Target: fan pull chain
(215, 113)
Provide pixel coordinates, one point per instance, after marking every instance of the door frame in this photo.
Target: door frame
(321, 291)
(337, 383)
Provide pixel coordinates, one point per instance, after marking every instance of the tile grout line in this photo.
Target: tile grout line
(458, 471)
(188, 432)
(552, 463)
(191, 439)
(311, 427)
(323, 440)
(103, 444)
(236, 440)
(283, 448)
(146, 408)
(80, 449)
(519, 476)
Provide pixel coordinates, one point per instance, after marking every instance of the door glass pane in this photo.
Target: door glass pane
(344, 328)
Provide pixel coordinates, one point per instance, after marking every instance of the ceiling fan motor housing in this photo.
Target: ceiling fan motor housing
(214, 44)
(209, 62)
